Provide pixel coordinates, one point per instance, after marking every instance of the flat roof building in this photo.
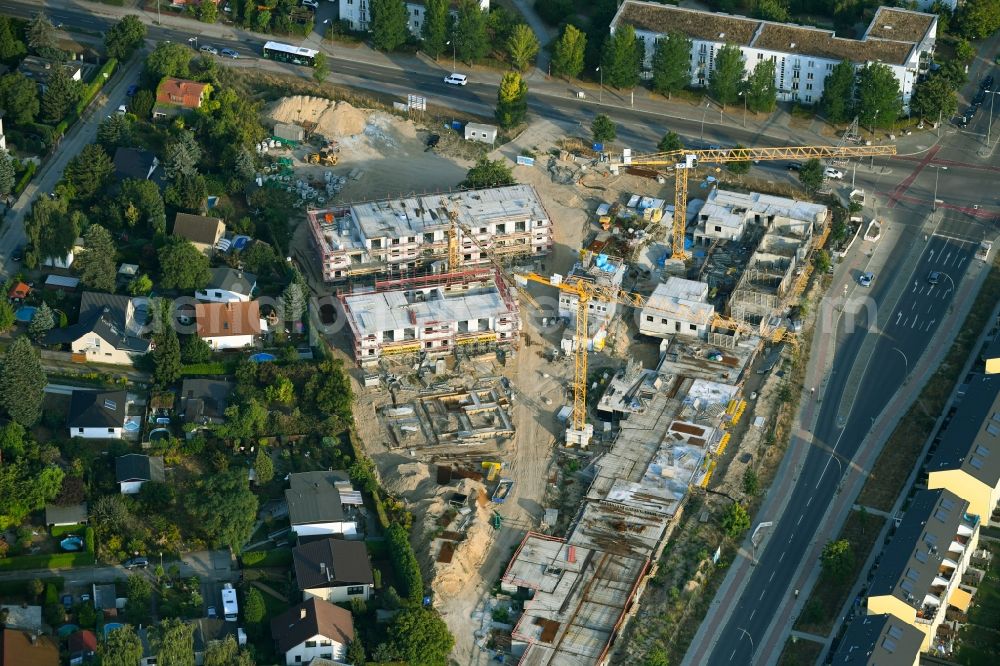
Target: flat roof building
(433, 315)
(400, 236)
(878, 640)
(922, 566)
(677, 307)
(803, 56)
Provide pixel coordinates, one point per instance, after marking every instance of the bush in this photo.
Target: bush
(62, 530)
(215, 368)
(91, 89)
(404, 561)
(22, 183)
(256, 559)
(47, 561)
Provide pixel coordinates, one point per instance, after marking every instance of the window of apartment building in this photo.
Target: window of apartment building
(429, 237)
(395, 241)
(466, 257)
(387, 336)
(809, 76)
(760, 56)
(310, 644)
(428, 329)
(809, 86)
(326, 655)
(427, 345)
(795, 85)
(482, 230)
(693, 327)
(812, 63)
(371, 352)
(484, 324)
(718, 228)
(663, 321)
(829, 66)
(352, 590)
(502, 228)
(649, 318)
(540, 223)
(110, 429)
(519, 226)
(809, 98)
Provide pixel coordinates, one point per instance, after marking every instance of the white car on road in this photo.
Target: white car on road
(456, 79)
(835, 174)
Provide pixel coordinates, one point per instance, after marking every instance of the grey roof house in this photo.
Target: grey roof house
(333, 570)
(138, 164)
(204, 401)
(73, 514)
(228, 284)
(108, 330)
(315, 507)
(97, 414)
(133, 470)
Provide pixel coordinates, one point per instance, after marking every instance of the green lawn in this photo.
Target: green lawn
(980, 638)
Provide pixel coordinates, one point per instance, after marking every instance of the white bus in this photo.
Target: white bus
(297, 55)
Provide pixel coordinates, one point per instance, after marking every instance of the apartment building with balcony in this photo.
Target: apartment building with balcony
(432, 315)
(878, 640)
(921, 567)
(967, 459)
(803, 56)
(397, 237)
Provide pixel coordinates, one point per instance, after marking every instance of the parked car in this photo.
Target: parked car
(84, 598)
(835, 174)
(132, 90)
(229, 53)
(961, 121)
(67, 601)
(794, 166)
(456, 79)
(866, 279)
(17, 254)
(933, 277)
(205, 48)
(987, 83)
(122, 110)
(136, 563)
(978, 98)
(212, 612)
(312, 4)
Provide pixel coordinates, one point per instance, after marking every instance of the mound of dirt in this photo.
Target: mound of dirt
(408, 479)
(333, 119)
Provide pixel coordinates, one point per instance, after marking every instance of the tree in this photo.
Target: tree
(182, 155)
(739, 168)
(837, 560)
(168, 59)
(877, 102)
(43, 321)
(471, 43)
(934, 98)
(419, 636)
(122, 647)
(140, 591)
(735, 520)
(125, 37)
(671, 63)
(568, 53)
(435, 28)
(8, 174)
(173, 639)
(227, 652)
(320, 67)
(751, 484)
(89, 172)
(356, 651)
(656, 657)
(602, 129)
(724, 81)
(761, 91)
(195, 350)
(488, 173)
(771, 10)
(404, 562)
(388, 24)
(41, 36)
(140, 204)
(208, 11)
(223, 509)
(61, 93)
(669, 143)
(115, 131)
(821, 261)
(96, 263)
(621, 58)
(167, 354)
(263, 466)
(254, 609)
(11, 47)
(35, 587)
(142, 103)
(964, 51)
(19, 97)
(522, 46)
(22, 382)
(978, 19)
(51, 229)
(838, 90)
(7, 318)
(811, 175)
(512, 100)
(183, 266)
(140, 285)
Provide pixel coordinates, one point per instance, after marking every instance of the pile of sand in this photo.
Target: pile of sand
(408, 479)
(451, 578)
(333, 119)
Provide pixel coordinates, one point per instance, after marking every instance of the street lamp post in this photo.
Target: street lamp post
(703, 114)
(989, 125)
(600, 95)
(454, 54)
(937, 173)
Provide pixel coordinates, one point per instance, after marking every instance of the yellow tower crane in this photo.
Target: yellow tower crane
(579, 432)
(684, 161)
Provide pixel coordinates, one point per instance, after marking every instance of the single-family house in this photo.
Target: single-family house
(20, 648)
(97, 414)
(208, 631)
(138, 164)
(967, 459)
(104, 596)
(59, 516)
(229, 325)
(134, 469)
(203, 232)
(40, 69)
(314, 628)
(920, 570)
(878, 640)
(23, 616)
(333, 570)
(108, 330)
(316, 506)
(227, 285)
(204, 401)
(82, 647)
(174, 96)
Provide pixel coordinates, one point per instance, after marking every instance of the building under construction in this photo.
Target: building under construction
(404, 236)
(433, 315)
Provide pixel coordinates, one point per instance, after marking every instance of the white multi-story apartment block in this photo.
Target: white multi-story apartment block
(677, 307)
(601, 270)
(433, 315)
(398, 236)
(358, 13)
(803, 56)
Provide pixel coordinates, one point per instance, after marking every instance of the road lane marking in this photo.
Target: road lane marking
(914, 322)
(761, 597)
(772, 576)
(732, 655)
(810, 501)
(782, 557)
(753, 613)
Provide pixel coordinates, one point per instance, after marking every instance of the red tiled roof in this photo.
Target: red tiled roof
(217, 320)
(180, 92)
(19, 290)
(18, 648)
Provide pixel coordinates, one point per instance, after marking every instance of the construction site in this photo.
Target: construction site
(560, 369)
